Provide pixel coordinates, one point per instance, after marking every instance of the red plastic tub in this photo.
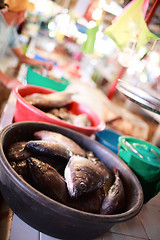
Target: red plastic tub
(26, 112)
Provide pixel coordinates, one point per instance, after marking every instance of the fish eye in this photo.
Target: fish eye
(83, 185)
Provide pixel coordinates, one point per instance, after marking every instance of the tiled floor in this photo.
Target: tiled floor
(145, 226)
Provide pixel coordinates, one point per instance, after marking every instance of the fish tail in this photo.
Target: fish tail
(116, 172)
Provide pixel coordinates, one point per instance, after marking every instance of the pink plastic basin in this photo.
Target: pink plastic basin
(26, 112)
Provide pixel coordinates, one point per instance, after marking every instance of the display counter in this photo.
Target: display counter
(137, 228)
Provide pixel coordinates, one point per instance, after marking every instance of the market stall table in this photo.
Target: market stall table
(143, 226)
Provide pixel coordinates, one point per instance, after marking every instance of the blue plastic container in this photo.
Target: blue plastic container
(108, 138)
(44, 59)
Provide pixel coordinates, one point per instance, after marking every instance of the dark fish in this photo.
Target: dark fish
(108, 176)
(64, 114)
(48, 180)
(82, 176)
(48, 149)
(49, 101)
(58, 163)
(61, 113)
(16, 152)
(107, 173)
(90, 202)
(21, 168)
(114, 202)
(61, 139)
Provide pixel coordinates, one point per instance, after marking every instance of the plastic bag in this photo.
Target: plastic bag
(131, 26)
(88, 46)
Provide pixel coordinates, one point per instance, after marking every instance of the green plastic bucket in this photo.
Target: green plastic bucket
(37, 79)
(144, 159)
